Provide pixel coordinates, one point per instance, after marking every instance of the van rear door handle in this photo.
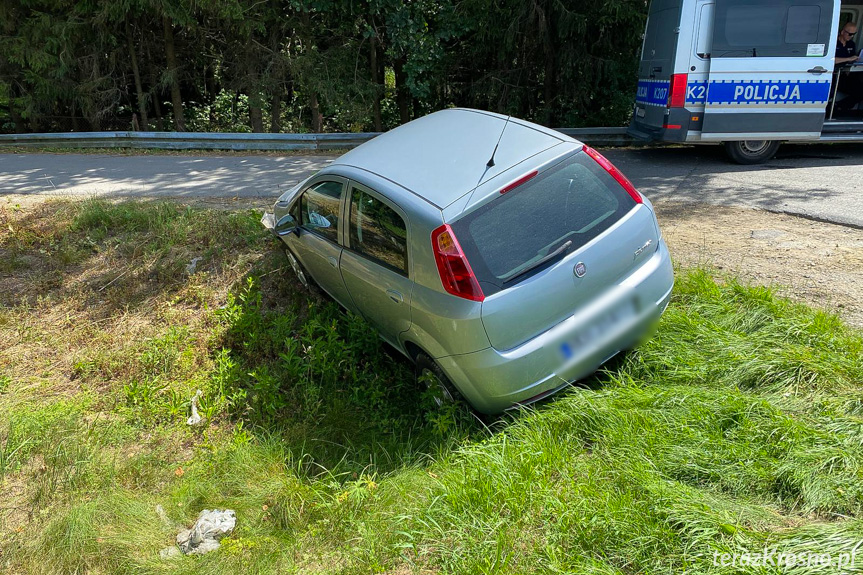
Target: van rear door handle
(333, 261)
(817, 70)
(395, 296)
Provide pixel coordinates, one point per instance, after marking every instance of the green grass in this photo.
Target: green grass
(738, 426)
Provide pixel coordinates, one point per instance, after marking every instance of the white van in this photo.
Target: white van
(747, 74)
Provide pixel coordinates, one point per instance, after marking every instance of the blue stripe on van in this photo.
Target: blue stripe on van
(696, 92)
(652, 92)
(767, 92)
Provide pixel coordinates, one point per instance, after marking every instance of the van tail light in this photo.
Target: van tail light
(455, 272)
(677, 93)
(614, 173)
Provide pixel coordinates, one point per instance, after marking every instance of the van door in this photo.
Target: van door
(771, 65)
(655, 69)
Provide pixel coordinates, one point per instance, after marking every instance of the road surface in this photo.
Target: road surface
(818, 181)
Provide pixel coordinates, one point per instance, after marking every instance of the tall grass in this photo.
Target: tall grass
(737, 427)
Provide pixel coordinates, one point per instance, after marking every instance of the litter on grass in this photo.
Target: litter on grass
(195, 418)
(204, 536)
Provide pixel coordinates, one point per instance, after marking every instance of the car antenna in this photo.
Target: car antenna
(490, 162)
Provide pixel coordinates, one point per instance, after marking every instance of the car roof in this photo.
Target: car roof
(443, 156)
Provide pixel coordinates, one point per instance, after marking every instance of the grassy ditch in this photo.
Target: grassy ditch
(738, 427)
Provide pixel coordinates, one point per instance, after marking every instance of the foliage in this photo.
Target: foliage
(312, 65)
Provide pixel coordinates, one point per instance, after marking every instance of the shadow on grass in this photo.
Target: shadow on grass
(295, 366)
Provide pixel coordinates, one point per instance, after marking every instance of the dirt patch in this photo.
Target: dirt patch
(816, 263)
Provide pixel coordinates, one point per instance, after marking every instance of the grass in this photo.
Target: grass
(737, 427)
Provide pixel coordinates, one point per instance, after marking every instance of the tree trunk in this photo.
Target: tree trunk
(20, 126)
(173, 71)
(403, 97)
(157, 107)
(376, 104)
(256, 116)
(142, 102)
(550, 84)
(276, 113)
(317, 118)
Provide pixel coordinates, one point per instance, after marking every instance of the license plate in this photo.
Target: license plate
(596, 329)
(639, 112)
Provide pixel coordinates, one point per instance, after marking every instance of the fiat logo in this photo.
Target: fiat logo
(580, 269)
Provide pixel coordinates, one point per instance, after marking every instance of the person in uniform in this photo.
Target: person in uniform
(846, 53)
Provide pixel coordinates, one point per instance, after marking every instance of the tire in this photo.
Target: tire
(302, 275)
(429, 375)
(750, 152)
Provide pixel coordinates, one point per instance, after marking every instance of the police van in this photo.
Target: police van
(746, 74)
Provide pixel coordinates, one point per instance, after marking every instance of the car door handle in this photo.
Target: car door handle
(817, 70)
(333, 261)
(395, 296)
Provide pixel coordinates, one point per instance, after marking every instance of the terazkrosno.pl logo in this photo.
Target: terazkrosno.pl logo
(772, 558)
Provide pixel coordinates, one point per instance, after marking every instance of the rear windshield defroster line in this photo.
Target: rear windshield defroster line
(516, 235)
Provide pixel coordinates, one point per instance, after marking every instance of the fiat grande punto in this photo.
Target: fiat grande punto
(505, 259)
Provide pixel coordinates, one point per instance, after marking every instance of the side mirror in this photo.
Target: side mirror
(286, 225)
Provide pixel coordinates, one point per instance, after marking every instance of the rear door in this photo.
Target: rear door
(375, 264)
(656, 67)
(771, 64)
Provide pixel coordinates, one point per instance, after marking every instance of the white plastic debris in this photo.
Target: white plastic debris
(193, 265)
(204, 536)
(195, 418)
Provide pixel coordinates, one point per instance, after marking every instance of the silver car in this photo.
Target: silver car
(504, 258)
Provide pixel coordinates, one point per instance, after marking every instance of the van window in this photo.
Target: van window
(705, 31)
(783, 28)
(802, 25)
(378, 232)
(572, 202)
(319, 207)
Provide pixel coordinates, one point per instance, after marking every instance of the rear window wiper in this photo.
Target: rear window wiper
(562, 249)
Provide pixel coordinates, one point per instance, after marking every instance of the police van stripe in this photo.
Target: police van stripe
(757, 92)
(652, 93)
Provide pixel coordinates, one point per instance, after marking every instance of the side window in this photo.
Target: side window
(377, 231)
(802, 25)
(784, 28)
(319, 209)
(704, 36)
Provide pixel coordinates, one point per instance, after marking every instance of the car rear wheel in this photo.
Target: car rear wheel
(751, 151)
(431, 376)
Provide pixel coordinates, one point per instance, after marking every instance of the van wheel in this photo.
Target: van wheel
(430, 376)
(751, 151)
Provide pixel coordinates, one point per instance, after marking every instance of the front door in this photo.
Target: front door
(771, 65)
(317, 245)
(375, 263)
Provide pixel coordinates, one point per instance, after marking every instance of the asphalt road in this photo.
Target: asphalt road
(818, 181)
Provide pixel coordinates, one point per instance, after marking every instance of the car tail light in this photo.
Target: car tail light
(677, 93)
(455, 272)
(614, 173)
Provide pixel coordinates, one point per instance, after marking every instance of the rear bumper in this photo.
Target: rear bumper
(494, 380)
(677, 123)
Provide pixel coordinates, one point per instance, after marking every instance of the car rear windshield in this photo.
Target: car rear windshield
(536, 224)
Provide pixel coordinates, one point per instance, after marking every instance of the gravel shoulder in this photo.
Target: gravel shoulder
(817, 263)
